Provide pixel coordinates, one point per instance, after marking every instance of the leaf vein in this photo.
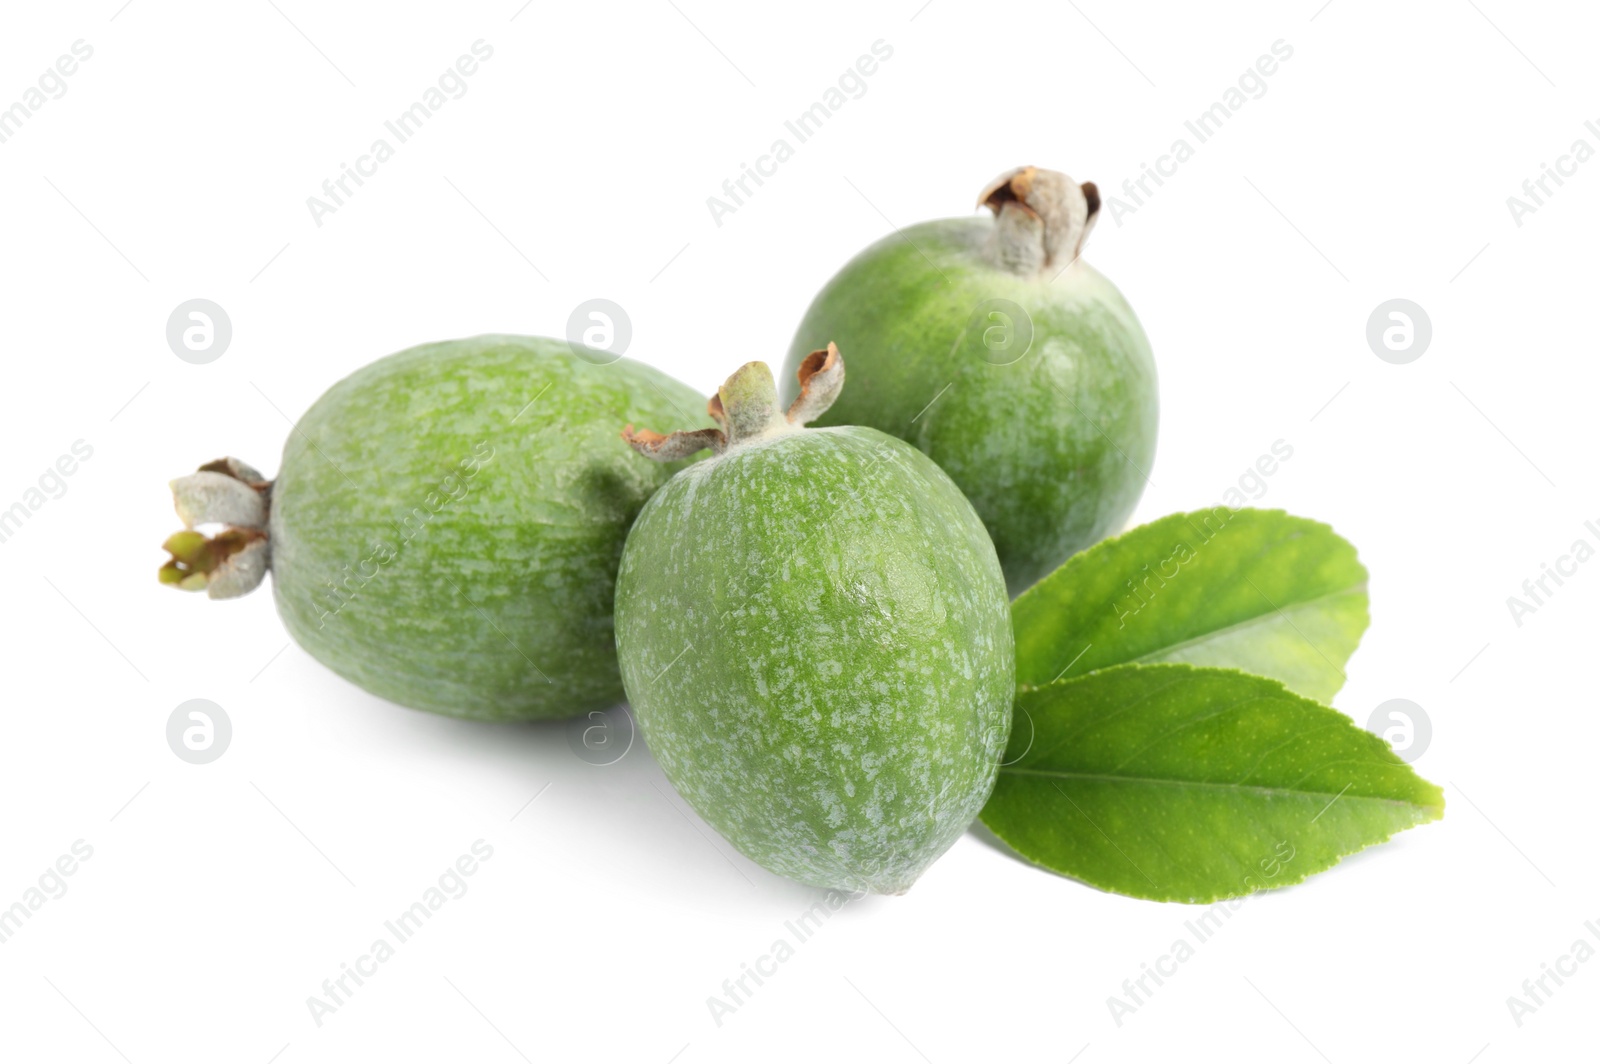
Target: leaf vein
(1339, 724)
(1287, 790)
(1266, 616)
(1184, 726)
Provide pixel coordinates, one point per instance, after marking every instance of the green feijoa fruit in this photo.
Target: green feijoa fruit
(1002, 355)
(815, 638)
(446, 524)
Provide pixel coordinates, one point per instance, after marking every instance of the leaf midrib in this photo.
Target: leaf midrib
(1295, 607)
(1204, 637)
(1211, 785)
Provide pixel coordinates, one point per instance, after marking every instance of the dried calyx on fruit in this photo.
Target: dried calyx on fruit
(234, 561)
(445, 525)
(815, 637)
(1042, 218)
(747, 408)
(990, 345)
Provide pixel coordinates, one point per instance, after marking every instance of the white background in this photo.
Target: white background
(219, 897)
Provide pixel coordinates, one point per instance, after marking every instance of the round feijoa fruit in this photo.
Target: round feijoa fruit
(815, 638)
(446, 524)
(998, 352)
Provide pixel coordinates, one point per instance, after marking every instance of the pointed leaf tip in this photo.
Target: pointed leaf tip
(1176, 783)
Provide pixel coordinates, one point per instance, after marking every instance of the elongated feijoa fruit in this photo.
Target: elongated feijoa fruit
(445, 527)
(1002, 355)
(815, 638)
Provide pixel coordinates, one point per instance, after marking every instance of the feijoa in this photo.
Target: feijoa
(445, 527)
(1002, 355)
(815, 638)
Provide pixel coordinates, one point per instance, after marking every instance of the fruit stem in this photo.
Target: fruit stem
(746, 406)
(233, 562)
(1042, 218)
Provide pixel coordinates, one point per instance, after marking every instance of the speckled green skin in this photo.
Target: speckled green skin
(816, 641)
(447, 523)
(1053, 449)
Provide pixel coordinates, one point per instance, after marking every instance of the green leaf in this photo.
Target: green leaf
(1256, 590)
(1177, 783)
